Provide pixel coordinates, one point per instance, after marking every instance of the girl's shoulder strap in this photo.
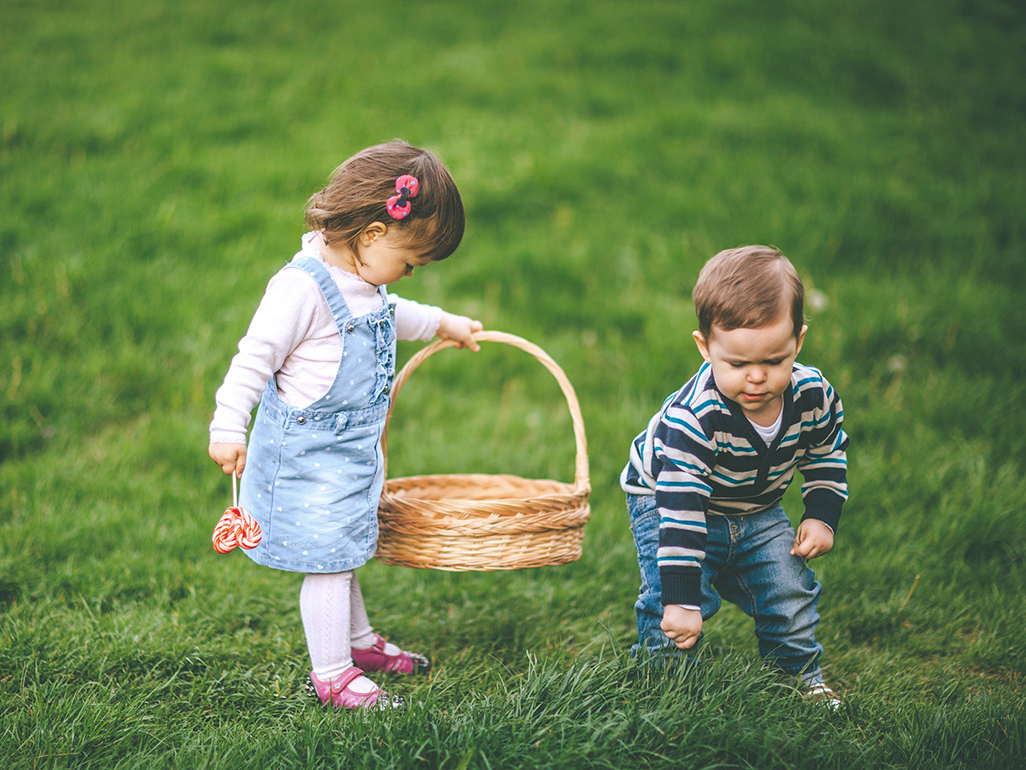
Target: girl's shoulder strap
(317, 270)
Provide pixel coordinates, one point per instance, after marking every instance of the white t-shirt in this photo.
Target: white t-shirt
(769, 432)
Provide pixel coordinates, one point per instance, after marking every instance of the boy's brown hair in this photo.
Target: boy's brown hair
(358, 192)
(746, 288)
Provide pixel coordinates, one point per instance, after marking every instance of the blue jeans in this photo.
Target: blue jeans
(748, 562)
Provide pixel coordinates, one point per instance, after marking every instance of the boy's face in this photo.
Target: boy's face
(752, 367)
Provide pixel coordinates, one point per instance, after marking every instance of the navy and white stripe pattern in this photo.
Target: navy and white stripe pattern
(700, 455)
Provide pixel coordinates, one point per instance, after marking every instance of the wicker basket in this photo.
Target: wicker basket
(465, 522)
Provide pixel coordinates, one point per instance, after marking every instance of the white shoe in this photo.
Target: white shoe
(818, 691)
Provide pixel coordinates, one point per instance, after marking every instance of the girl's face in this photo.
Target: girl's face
(752, 367)
(382, 256)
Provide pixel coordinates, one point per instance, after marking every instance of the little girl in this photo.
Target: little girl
(319, 357)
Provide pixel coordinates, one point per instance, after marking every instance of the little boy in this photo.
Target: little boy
(706, 477)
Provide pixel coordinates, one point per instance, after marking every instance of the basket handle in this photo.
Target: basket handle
(581, 480)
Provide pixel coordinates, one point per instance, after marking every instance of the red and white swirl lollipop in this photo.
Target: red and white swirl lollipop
(236, 527)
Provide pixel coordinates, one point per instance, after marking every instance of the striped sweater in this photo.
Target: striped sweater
(700, 455)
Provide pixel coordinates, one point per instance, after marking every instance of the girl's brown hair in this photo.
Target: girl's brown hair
(359, 189)
(746, 288)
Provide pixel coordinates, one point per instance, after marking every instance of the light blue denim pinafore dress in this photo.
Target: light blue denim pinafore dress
(314, 475)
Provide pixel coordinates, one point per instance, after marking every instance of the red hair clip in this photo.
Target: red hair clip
(398, 205)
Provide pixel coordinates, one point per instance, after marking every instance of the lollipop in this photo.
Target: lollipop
(236, 527)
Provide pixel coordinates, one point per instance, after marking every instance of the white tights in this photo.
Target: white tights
(335, 621)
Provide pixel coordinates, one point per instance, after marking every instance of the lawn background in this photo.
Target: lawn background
(154, 162)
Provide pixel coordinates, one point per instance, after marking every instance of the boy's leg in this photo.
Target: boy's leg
(775, 588)
(648, 609)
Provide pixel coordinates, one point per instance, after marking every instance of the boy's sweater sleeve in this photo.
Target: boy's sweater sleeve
(825, 465)
(683, 456)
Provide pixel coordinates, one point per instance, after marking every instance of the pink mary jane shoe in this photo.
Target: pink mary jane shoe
(375, 659)
(336, 691)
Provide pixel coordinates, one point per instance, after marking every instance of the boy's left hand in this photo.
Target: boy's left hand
(814, 538)
(460, 330)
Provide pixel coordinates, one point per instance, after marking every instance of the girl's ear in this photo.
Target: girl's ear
(372, 232)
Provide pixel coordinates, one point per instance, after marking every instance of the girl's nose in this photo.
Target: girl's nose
(756, 374)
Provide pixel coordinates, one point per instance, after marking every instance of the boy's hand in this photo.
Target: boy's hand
(231, 457)
(814, 538)
(681, 625)
(460, 330)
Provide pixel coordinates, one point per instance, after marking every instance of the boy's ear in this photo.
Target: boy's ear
(703, 348)
(801, 339)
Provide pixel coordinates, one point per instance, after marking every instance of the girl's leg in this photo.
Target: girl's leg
(324, 603)
(373, 652)
(360, 631)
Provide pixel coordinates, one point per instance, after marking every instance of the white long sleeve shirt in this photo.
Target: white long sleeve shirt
(294, 338)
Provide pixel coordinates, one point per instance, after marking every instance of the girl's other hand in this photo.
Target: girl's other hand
(460, 330)
(231, 457)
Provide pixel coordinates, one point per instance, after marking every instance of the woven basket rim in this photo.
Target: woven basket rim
(469, 479)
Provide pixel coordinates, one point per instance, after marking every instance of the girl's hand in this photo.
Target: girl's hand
(681, 626)
(231, 457)
(460, 330)
(814, 538)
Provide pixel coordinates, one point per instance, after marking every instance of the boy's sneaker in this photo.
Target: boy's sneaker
(338, 693)
(819, 692)
(375, 658)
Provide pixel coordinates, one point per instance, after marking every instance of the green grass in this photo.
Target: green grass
(154, 161)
